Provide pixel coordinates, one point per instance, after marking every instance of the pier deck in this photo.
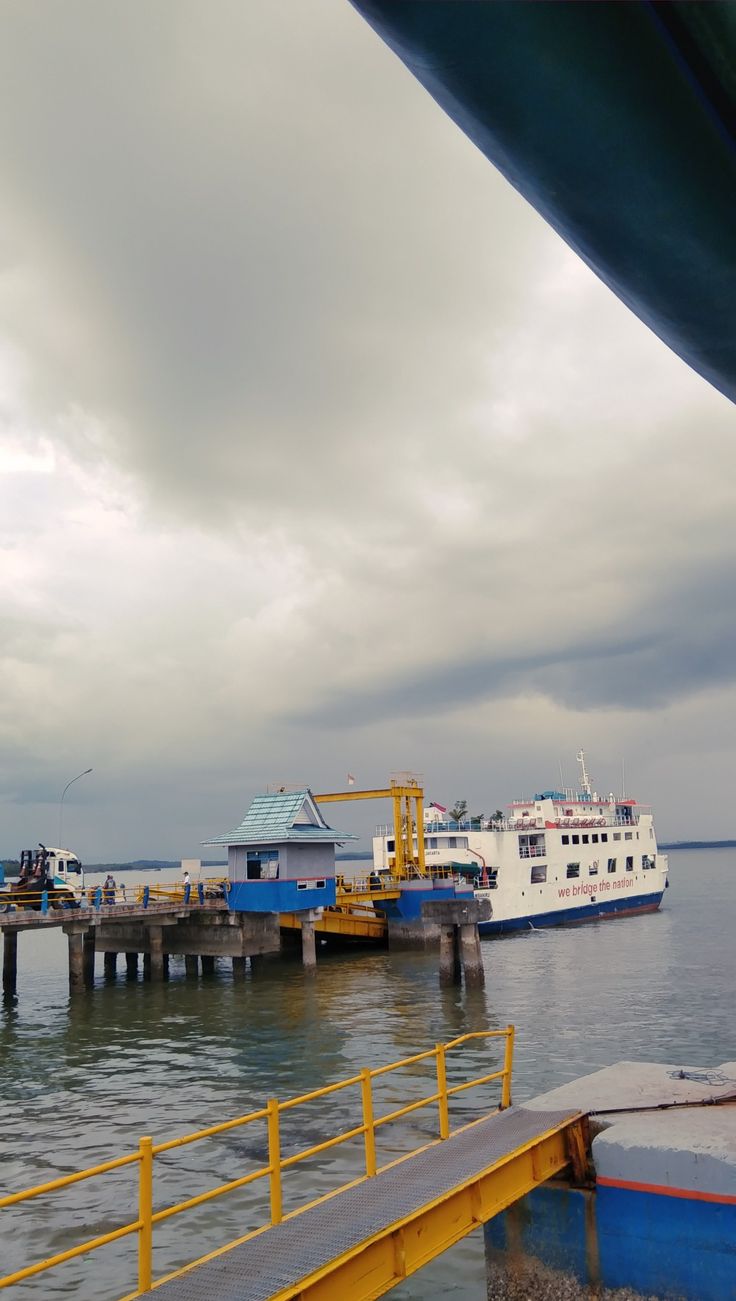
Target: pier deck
(361, 1242)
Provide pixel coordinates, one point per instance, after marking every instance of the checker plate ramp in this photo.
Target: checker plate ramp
(285, 1254)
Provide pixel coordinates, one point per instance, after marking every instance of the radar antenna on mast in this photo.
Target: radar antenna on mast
(584, 778)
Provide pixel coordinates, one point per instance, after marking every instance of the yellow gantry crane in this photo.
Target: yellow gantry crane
(405, 792)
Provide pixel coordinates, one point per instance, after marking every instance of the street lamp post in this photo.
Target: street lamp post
(63, 793)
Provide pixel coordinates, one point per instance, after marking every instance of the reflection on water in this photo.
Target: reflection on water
(83, 1078)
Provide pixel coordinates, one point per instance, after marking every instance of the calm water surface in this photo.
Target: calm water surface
(82, 1079)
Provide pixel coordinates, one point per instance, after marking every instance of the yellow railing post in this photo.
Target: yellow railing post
(274, 1160)
(369, 1132)
(442, 1090)
(145, 1211)
(508, 1061)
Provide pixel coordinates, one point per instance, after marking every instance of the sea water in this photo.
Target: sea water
(83, 1078)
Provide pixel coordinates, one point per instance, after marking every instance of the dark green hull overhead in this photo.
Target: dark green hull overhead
(617, 121)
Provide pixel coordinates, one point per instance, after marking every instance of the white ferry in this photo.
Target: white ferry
(561, 857)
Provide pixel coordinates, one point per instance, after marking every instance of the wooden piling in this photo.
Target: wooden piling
(10, 961)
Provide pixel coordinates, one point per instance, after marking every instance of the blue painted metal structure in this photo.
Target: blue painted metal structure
(618, 123)
(281, 858)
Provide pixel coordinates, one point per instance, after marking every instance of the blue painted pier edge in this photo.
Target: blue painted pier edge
(652, 1243)
(281, 896)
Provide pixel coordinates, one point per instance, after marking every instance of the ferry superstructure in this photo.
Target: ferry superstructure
(560, 857)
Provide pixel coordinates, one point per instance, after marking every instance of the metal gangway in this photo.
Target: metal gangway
(364, 1237)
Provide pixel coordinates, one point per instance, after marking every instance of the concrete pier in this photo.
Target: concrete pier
(10, 962)
(460, 951)
(658, 1217)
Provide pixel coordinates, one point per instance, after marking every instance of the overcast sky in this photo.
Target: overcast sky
(322, 453)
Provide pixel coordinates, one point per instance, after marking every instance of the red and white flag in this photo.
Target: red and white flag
(351, 779)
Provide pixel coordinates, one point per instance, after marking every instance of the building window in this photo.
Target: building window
(566, 840)
(629, 862)
(573, 870)
(539, 874)
(612, 865)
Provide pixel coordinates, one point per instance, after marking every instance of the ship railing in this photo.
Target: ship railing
(365, 1125)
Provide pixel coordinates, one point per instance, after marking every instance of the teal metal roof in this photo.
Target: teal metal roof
(273, 818)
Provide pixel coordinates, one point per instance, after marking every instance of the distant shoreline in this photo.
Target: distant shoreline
(699, 844)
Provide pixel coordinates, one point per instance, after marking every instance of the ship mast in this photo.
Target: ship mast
(584, 778)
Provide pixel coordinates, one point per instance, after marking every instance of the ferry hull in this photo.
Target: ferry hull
(626, 907)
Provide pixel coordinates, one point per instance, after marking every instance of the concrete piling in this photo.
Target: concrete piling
(208, 964)
(111, 964)
(156, 943)
(449, 956)
(470, 954)
(191, 965)
(75, 937)
(309, 945)
(88, 958)
(131, 966)
(10, 961)
(238, 968)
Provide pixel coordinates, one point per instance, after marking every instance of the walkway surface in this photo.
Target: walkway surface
(288, 1254)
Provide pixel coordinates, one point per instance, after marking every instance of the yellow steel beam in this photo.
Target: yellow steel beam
(338, 923)
(381, 1262)
(333, 796)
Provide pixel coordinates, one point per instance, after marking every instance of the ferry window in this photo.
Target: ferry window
(628, 835)
(617, 835)
(604, 837)
(593, 869)
(647, 862)
(594, 838)
(573, 870)
(462, 842)
(612, 865)
(585, 840)
(539, 874)
(452, 842)
(566, 840)
(430, 843)
(576, 840)
(629, 862)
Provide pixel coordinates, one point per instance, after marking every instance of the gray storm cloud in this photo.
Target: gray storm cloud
(320, 450)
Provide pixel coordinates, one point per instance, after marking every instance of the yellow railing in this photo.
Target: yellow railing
(147, 1151)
